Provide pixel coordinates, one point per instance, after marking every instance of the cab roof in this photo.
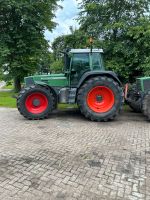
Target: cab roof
(86, 50)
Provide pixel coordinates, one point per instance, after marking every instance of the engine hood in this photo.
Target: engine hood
(55, 80)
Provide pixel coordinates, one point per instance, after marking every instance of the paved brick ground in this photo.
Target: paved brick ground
(68, 157)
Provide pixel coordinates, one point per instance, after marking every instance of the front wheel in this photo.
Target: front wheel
(100, 99)
(35, 102)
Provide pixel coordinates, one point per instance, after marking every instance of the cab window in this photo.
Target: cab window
(96, 64)
(80, 61)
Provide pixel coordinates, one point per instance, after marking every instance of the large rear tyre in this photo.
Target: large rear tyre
(100, 99)
(146, 105)
(35, 102)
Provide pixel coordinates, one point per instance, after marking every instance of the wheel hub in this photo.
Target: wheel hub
(99, 98)
(36, 102)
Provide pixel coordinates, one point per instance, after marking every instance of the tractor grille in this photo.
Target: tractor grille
(146, 84)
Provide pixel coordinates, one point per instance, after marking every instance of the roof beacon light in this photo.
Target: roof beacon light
(91, 44)
(91, 40)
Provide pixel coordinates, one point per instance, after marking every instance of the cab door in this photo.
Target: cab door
(80, 63)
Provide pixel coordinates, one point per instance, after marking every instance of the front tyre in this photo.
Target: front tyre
(35, 102)
(100, 99)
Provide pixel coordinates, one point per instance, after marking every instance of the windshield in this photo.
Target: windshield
(80, 62)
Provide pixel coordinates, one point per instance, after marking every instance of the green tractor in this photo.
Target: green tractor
(98, 93)
(138, 96)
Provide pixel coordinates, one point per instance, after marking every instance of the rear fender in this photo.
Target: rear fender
(109, 74)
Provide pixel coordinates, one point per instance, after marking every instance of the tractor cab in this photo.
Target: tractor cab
(80, 61)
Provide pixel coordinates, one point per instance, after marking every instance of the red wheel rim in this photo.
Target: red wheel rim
(100, 99)
(36, 103)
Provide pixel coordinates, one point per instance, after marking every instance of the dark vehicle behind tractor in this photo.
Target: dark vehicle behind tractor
(138, 96)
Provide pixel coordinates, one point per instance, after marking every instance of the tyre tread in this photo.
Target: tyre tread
(80, 100)
(28, 89)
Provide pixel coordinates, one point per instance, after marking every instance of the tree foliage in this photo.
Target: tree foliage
(130, 55)
(110, 18)
(122, 28)
(76, 39)
(22, 42)
(57, 66)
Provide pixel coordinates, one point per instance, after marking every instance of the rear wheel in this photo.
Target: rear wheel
(146, 105)
(100, 99)
(35, 102)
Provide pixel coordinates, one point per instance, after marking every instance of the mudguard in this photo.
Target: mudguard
(90, 74)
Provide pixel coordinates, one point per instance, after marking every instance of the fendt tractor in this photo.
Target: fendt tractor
(98, 93)
(138, 96)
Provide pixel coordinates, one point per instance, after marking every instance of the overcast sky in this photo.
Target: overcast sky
(65, 18)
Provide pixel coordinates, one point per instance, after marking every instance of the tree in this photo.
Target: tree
(57, 66)
(109, 18)
(22, 42)
(76, 39)
(1, 74)
(121, 28)
(129, 56)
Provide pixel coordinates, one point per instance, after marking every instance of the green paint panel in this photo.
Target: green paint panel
(143, 84)
(58, 80)
(144, 78)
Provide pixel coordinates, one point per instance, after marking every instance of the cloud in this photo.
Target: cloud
(65, 18)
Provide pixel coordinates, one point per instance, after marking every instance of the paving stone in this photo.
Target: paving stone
(67, 157)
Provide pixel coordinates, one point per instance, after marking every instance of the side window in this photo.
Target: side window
(96, 61)
(80, 61)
